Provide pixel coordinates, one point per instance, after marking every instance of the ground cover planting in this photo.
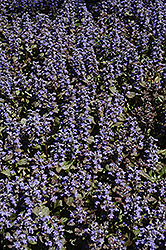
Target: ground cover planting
(82, 125)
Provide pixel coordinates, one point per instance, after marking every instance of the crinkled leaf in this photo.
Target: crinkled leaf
(68, 201)
(13, 216)
(45, 211)
(36, 211)
(8, 157)
(6, 172)
(64, 219)
(41, 54)
(71, 223)
(2, 100)
(128, 243)
(67, 164)
(23, 161)
(57, 120)
(112, 89)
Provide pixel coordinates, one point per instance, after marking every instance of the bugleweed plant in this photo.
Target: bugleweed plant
(82, 125)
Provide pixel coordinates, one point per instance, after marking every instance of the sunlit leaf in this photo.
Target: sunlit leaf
(67, 164)
(8, 157)
(112, 89)
(23, 161)
(58, 169)
(32, 242)
(45, 211)
(23, 121)
(130, 94)
(6, 172)
(90, 139)
(136, 232)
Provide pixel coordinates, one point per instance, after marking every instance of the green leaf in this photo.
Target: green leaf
(8, 157)
(13, 216)
(36, 211)
(19, 40)
(112, 89)
(6, 172)
(34, 46)
(23, 121)
(37, 147)
(41, 239)
(45, 211)
(79, 196)
(161, 98)
(157, 79)
(69, 231)
(90, 139)
(142, 172)
(67, 164)
(142, 83)
(68, 201)
(23, 161)
(14, 59)
(163, 171)
(136, 232)
(33, 243)
(58, 169)
(17, 92)
(57, 120)
(163, 152)
(58, 203)
(109, 168)
(92, 119)
(2, 100)
(28, 94)
(117, 124)
(64, 219)
(131, 94)
(41, 54)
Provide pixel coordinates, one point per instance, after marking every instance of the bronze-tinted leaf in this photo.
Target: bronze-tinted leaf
(128, 243)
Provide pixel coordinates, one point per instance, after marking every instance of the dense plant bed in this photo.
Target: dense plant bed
(82, 125)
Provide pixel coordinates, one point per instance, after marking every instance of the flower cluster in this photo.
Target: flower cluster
(82, 124)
